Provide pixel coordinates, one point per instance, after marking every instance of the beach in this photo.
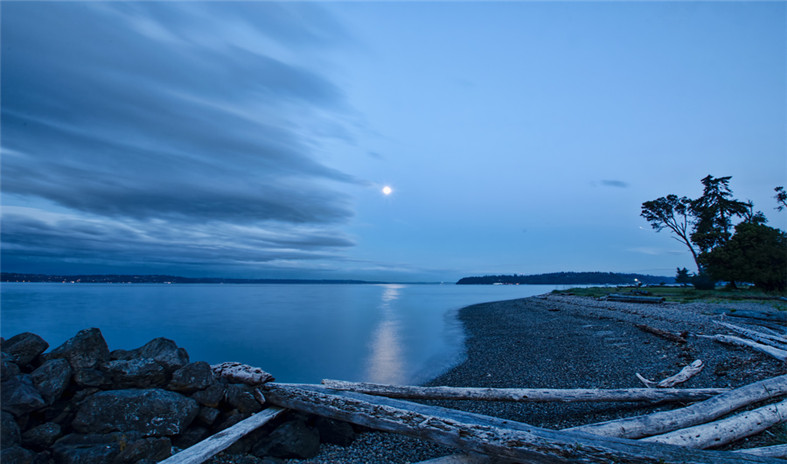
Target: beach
(564, 341)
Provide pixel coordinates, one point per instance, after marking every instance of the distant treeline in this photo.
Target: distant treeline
(158, 279)
(568, 278)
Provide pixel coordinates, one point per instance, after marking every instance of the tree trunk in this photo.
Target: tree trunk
(535, 395)
(487, 435)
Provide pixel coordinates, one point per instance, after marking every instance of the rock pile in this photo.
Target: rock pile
(80, 403)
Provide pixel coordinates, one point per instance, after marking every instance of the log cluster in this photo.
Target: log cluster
(762, 339)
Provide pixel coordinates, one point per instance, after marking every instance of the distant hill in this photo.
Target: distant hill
(159, 279)
(568, 278)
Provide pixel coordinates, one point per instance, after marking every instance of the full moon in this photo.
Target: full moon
(387, 190)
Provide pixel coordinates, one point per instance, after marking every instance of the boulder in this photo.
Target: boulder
(91, 448)
(151, 449)
(9, 368)
(192, 377)
(211, 396)
(293, 439)
(241, 397)
(162, 350)
(208, 415)
(9, 431)
(26, 347)
(136, 373)
(52, 379)
(152, 412)
(91, 378)
(19, 396)
(334, 431)
(191, 437)
(42, 436)
(86, 350)
(16, 455)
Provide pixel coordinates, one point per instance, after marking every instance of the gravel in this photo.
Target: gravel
(562, 341)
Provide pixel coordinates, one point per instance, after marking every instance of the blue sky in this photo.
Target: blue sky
(253, 139)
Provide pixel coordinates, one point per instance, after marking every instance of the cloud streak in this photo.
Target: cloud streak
(191, 124)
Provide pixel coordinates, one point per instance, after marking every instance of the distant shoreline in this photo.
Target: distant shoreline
(168, 279)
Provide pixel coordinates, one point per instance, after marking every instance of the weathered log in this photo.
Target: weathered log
(465, 459)
(777, 353)
(775, 451)
(236, 372)
(760, 337)
(634, 298)
(484, 434)
(534, 395)
(698, 413)
(217, 443)
(662, 333)
(727, 430)
(685, 374)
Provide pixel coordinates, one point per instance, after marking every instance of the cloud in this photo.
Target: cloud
(615, 183)
(172, 120)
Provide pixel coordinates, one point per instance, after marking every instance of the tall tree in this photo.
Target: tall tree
(673, 213)
(781, 197)
(714, 211)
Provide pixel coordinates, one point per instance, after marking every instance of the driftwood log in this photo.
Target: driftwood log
(777, 353)
(217, 443)
(685, 374)
(758, 336)
(698, 413)
(535, 395)
(634, 298)
(488, 435)
(677, 338)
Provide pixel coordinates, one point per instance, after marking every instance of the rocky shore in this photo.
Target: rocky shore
(81, 403)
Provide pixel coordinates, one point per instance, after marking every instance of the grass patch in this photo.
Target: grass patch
(685, 294)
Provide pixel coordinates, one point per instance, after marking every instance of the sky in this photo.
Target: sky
(254, 139)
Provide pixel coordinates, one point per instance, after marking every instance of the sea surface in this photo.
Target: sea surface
(389, 333)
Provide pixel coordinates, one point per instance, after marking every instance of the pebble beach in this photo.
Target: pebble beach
(565, 341)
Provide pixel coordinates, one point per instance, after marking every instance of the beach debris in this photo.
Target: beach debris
(533, 395)
(685, 374)
(772, 351)
(773, 339)
(241, 373)
(677, 338)
(633, 298)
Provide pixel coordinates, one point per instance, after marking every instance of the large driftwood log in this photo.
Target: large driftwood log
(677, 338)
(761, 337)
(777, 353)
(685, 374)
(698, 413)
(727, 430)
(217, 443)
(526, 394)
(487, 435)
(634, 298)
(775, 451)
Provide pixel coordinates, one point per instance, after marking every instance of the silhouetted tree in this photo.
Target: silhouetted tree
(714, 211)
(781, 197)
(683, 277)
(673, 213)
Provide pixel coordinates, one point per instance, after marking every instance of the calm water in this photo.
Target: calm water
(299, 333)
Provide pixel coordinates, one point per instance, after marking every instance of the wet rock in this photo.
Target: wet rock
(192, 377)
(162, 350)
(149, 412)
(211, 396)
(151, 449)
(90, 448)
(9, 431)
(52, 379)
(293, 439)
(16, 455)
(42, 436)
(191, 437)
(208, 415)
(241, 397)
(335, 432)
(19, 396)
(26, 347)
(136, 373)
(86, 350)
(9, 368)
(91, 378)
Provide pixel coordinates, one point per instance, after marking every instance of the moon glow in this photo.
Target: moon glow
(387, 190)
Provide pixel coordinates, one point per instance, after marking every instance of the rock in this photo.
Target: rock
(335, 432)
(9, 368)
(91, 448)
(87, 349)
(152, 412)
(162, 350)
(241, 397)
(192, 377)
(26, 347)
(42, 436)
(211, 396)
(91, 378)
(293, 439)
(136, 373)
(9, 431)
(52, 379)
(236, 372)
(152, 449)
(19, 396)
(191, 437)
(208, 415)
(16, 455)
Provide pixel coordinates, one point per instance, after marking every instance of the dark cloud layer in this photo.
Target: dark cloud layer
(614, 183)
(170, 116)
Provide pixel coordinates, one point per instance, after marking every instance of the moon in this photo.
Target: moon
(387, 190)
